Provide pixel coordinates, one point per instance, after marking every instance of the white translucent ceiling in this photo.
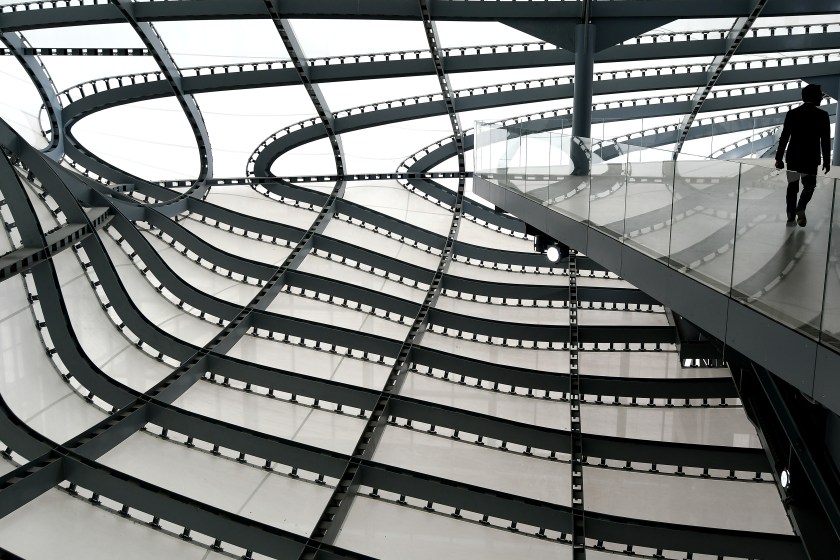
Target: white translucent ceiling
(313, 158)
(238, 120)
(67, 71)
(20, 104)
(346, 95)
(332, 37)
(493, 77)
(212, 42)
(472, 33)
(105, 35)
(136, 146)
(393, 143)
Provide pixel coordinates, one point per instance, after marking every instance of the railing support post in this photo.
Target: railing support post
(835, 158)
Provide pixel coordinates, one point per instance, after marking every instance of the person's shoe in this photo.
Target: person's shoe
(791, 219)
(800, 218)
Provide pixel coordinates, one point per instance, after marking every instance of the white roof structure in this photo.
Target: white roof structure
(250, 308)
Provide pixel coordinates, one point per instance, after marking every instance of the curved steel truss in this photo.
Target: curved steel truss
(381, 364)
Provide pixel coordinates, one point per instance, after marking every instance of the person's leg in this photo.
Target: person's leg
(790, 198)
(809, 182)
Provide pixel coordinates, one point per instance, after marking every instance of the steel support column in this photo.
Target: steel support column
(582, 104)
(835, 158)
(584, 72)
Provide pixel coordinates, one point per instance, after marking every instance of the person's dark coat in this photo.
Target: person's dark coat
(808, 131)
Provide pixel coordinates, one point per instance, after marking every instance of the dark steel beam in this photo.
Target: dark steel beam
(295, 51)
(339, 504)
(432, 35)
(526, 95)
(186, 512)
(81, 51)
(739, 30)
(699, 540)
(150, 37)
(42, 81)
(27, 482)
(44, 14)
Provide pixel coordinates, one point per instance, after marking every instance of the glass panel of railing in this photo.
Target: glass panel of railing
(765, 137)
(515, 159)
(494, 148)
(571, 162)
(537, 164)
(831, 307)
(779, 269)
(608, 188)
(650, 192)
(479, 141)
(703, 220)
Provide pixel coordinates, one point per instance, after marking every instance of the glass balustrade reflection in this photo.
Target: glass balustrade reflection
(569, 187)
(538, 153)
(491, 143)
(479, 148)
(516, 158)
(721, 222)
(648, 206)
(831, 307)
(779, 269)
(608, 188)
(703, 220)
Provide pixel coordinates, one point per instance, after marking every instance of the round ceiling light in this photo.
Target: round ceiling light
(785, 479)
(553, 254)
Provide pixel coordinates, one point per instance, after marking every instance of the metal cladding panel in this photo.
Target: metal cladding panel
(605, 250)
(827, 379)
(786, 353)
(704, 306)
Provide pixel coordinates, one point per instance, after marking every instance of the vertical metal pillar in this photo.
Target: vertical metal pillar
(584, 73)
(835, 159)
(582, 107)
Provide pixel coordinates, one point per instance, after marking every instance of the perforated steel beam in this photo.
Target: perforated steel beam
(164, 60)
(42, 81)
(284, 28)
(79, 51)
(739, 30)
(44, 14)
(443, 79)
(338, 507)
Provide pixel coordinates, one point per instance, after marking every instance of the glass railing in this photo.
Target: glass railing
(721, 222)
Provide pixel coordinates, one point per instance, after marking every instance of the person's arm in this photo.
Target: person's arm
(825, 143)
(783, 142)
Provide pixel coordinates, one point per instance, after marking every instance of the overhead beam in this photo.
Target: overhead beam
(739, 30)
(42, 81)
(432, 36)
(295, 51)
(150, 37)
(45, 14)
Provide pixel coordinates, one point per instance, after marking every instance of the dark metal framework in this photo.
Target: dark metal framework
(736, 35)
(106, 198)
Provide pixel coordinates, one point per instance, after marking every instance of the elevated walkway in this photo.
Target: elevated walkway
(707, 238)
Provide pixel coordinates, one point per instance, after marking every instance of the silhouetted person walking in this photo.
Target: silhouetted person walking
(808, 131)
